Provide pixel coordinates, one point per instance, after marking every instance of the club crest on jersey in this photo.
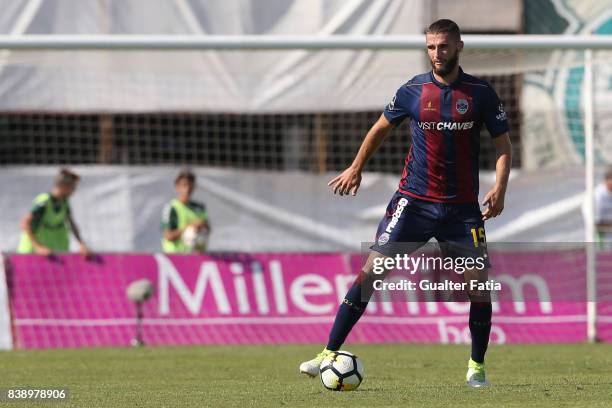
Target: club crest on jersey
(462, 106)
(383, 239)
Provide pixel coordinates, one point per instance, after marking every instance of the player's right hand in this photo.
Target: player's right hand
(347, 182)
(43, 250)
(85, 251)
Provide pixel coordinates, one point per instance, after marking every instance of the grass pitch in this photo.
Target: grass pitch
(267, 376)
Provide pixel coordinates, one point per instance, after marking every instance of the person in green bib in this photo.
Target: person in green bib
(45, 228)
(603, 210)
(185, 222)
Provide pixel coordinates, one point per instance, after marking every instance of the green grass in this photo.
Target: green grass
(267, 376)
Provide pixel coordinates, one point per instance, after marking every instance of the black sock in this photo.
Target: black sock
(480, 327)
(349, 312)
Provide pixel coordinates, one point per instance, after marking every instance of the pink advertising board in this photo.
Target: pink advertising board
(271, 298)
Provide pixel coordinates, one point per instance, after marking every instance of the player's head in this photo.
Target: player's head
(608, 178)
(185, 183)
(65, 183)
(444, 44)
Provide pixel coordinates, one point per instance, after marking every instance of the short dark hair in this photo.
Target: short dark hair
(609, 173)
(66, 176)
(444, 26)
(185, 174)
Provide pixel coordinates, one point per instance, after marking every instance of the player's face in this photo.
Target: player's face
(66, 190)
(443, 50)
(184, 188)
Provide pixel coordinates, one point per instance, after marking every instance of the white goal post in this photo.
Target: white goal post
(586, 43)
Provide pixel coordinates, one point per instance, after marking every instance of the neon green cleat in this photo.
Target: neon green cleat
(475, 376)
(311, 367)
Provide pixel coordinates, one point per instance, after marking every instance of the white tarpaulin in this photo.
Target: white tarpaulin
(219, 81)
(119, 208)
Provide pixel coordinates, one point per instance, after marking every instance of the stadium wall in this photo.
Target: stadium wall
(67, 301)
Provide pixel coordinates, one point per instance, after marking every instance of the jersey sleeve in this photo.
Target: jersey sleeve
(37, 210)
(38, 207)
(200, 210)
(204, 213)
(397, 110)
(495, 117)
(169, 218)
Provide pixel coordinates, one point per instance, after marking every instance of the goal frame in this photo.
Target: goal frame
(586, 43)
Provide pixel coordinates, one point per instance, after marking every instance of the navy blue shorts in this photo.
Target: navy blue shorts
(409, 223)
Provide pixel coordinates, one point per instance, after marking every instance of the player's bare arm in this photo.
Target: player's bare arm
(26, 226)
(349, 180)
(494, 199)
(604, 227)
(206, 226)
(173, 234)
(201, 225)
(83, 248)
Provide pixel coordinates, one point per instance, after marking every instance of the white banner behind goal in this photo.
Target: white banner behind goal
(212, 81)
(119, 208)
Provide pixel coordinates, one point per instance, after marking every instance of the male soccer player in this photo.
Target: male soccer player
(438, 191)
(45, 227)
(182, 213)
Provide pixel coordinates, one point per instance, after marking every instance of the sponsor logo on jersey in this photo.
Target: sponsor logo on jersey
(429, 107)
(501, 116)
(446, 125)
(391, 105)
(401, 204)
(461, 106)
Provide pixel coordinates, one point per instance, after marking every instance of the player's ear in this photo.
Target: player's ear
(460, 46)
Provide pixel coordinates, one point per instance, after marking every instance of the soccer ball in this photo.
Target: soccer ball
(195, 241)
(341, 371)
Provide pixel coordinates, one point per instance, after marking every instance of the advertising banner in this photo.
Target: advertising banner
(68, 301)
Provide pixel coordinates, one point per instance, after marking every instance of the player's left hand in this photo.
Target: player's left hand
(494, 201)
(85, 251)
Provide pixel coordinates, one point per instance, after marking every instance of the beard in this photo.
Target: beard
(447, 67)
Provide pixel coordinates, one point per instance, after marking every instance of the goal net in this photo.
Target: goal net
(153, 107)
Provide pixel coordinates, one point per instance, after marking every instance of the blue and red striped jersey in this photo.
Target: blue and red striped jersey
(442, 163)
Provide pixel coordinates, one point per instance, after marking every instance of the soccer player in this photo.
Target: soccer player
(182, 213)
(603, 207)
(438, 192)
(45, 227)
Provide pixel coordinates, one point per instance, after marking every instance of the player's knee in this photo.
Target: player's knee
(479, 296)
(376, 266)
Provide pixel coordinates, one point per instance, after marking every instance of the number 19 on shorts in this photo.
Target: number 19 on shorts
(478, 234)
